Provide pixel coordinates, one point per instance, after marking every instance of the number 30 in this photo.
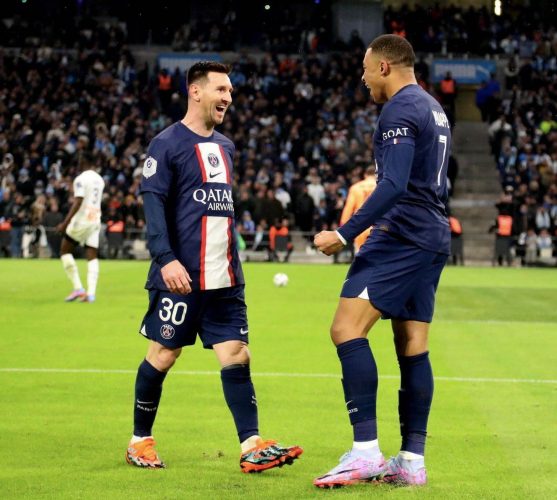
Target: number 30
(173, 312)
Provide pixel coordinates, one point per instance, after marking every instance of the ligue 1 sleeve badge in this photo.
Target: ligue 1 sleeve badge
(149, 167)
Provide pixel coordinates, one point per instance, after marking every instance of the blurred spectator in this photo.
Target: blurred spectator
(315, 188)
(304, 211)
(545, 247)
(5, 224)
(115, 227)
(543, 221)
(511, 72)
(18, 217)
(52, 218)
(164, 87)
(503, 239)
(488, 98)
(457, 246)
(280, 240)
(447, 94)
(530, 242)
(247, 224)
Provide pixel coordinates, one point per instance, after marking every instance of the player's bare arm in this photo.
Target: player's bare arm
(61, 228)
(176, 278)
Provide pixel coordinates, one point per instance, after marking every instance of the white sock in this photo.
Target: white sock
(136, 439)
(408, 455)
(92, 276)
(71, 270)
(249, 443)
(367, 447)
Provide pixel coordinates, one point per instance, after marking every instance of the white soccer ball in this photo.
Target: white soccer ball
(280, 279)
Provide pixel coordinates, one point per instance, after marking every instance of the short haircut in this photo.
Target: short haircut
(200, 70)
(370, 170)
(396, 49)
(86, 160)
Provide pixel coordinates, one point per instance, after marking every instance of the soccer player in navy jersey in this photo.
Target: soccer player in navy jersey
(396, 272)
(195, 283)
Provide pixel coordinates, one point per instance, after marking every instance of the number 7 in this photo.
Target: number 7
(442, 140)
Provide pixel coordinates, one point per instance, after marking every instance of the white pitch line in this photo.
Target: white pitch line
(275, 374)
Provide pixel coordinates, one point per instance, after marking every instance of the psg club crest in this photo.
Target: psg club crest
(213, 160)
(167, 332)
(149, 167)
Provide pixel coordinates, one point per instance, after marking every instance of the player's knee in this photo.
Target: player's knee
(343, 332)
(241, 355)
(163, 359)
(410, 342)
(338, 332)
(236, 354)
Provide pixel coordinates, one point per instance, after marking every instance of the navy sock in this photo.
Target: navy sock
(414, 400)
(359, 380)
(240, 397)
(148, 390)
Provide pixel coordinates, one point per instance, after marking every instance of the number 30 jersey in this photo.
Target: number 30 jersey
(414, 117)
(88, 185)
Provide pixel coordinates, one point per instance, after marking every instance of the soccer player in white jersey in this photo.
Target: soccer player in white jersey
(82, 226)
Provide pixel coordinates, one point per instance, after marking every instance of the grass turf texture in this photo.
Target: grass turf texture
(64, 434)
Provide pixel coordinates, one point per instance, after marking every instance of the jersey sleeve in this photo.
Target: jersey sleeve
(78, 187)
(398, 164)
(399, 124)
(157, 169)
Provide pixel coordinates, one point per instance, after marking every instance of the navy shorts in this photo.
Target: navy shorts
(397, 277)
(175, 320)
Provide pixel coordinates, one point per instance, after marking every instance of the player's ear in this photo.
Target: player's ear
(193, 92)
(384, 68)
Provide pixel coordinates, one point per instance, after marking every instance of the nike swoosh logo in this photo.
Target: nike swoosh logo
(211, 175)
(243, 332)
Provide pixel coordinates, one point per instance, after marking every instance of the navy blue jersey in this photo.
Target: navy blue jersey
(193, 175)
(413, 118)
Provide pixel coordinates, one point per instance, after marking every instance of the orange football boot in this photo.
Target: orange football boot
(143, 454)
(267, 455)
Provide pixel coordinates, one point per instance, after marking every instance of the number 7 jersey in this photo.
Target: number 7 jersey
(414, 117)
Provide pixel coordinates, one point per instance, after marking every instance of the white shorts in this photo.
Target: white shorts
(84, 233)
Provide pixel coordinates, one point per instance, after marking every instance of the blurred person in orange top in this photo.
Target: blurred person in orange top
(358, 193)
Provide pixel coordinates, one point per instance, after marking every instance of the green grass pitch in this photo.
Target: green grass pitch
(64, 427)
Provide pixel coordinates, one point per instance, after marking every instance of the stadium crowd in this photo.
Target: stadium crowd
(303, 131)
(471, 30)
(523, 137)
(302, 126)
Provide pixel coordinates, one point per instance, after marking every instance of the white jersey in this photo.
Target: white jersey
(88, 185)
